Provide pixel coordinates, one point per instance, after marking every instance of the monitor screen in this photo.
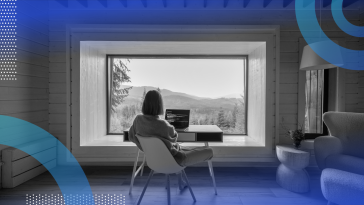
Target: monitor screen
(178, 118)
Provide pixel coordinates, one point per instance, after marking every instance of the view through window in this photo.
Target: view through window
(213, 88)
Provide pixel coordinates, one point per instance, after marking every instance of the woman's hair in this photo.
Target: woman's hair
(153, 103)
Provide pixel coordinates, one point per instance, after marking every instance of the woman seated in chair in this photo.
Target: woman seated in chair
(149, 124)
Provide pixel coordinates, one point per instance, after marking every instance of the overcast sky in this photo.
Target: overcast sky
(200, 77)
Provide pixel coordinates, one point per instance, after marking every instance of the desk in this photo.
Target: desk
(194, 133)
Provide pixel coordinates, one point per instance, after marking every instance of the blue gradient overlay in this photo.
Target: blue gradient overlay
(19, 133)
(307, 22)
(345, 25)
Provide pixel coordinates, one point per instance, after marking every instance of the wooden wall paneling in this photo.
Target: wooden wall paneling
(32, 58)
(288, 109)
(35, 9)
(288, 78)
(27, 97)
(57, 36)
(57, 118)
(352, 77)
(59, 46)
(31, 46)
(57, 88)
(57, 108)
(291, 98)
(57, 67)
(58, 128)
(55, 25)
(7, 107)
(289, 67)
(14, 93)
(21, 166)
(57, 77)
(26, 82)
(351, 89)
(31, 70)
(289, 89)
(22, 18)
(57, 57)
(32, 117)
(57, 98)
(30, 34)
(289, 57)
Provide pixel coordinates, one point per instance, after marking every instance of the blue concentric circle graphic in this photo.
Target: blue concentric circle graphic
(21, 134)
(312, 32)
(342, 22)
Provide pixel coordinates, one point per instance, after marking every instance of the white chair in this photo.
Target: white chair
(160, 160)
(140, 169)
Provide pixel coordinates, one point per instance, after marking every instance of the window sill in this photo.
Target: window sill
(229, 141)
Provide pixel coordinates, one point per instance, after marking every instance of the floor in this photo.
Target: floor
(236, 186)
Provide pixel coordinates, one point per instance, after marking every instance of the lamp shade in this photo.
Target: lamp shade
(311, 61)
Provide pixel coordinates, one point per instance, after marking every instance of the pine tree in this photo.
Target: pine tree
(234, 114)
(119, 76)
(221, 119)
(159, 90)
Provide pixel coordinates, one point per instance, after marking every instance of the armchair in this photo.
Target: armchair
(344, 149)
(341, 157)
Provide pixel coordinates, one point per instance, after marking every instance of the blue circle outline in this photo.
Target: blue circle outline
(312, 32)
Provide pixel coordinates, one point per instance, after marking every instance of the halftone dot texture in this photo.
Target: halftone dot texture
(7, 39)
(75, 199)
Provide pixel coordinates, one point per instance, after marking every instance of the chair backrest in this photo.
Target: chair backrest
(158, 156)
(349, 128)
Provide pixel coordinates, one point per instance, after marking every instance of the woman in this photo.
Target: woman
(149, 124)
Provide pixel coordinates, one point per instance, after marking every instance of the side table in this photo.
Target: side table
(291, 173)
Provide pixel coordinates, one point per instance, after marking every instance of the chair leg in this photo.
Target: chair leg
(141, 171)
(145, 187)
(212, 175)
(188, 184)
(168, 190)
(133, 175)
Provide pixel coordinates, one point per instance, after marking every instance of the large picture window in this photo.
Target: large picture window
(212, 87)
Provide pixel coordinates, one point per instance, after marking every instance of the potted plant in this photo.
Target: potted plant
(297, 136)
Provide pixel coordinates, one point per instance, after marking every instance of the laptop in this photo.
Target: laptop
(180, 119)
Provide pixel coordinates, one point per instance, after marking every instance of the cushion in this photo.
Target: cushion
(346, 163)
(341, 187)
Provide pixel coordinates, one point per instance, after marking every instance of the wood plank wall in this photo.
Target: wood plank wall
(285, 17)
(27, 97)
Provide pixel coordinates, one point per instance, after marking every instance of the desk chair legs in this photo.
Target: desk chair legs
(135, 172)
(168, 189)
(212, 175)
(167, 186)
(211, 169)
(188, 184)
(141, 172)
(145, 187)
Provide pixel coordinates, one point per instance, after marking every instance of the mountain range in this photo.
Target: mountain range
(180, 100)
